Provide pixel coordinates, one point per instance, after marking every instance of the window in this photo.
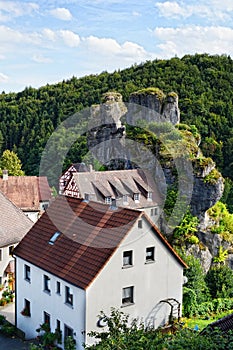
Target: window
(58, 325)
(47, 318)
(127, 295)
(58, 287)
(69, 296)
(27, 308)
(139, 223)
(46, 283)
(125, 199)
(27, 273)
(128, 258)
(153, 211)
(136, 197)
(0, 254)
(54, 237)
(11, 248)
(149, 195)
(68, 332)
(86, 197)
(108, 200)
(150, 254)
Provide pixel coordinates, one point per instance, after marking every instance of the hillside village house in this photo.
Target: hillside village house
(82, 257)
(133, 188)
(14, 225)
(31, 194)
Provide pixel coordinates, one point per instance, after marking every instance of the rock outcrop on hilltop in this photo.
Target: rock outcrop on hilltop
(108, 140)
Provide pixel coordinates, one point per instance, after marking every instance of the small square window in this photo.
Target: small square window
(108, 200)
(58, 287)
(125, 199)
(127, 295)
(150, 254)
(139, 223)
(27, 273)
(136, 197)
(69, 296)
(128, 258)
(46, 283)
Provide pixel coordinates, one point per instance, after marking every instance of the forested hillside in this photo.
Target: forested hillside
(203, 83)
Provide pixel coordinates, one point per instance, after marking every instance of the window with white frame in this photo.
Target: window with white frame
(153, 211)
(68, 296)
(150, 254)
(128, 295)
(125, 199)
(149, 195)
(128, 258)
(27, 273)
(136, 197)
(46, 283)
(108, 200)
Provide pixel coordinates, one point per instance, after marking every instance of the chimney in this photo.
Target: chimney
(5, 174)
(90, 168)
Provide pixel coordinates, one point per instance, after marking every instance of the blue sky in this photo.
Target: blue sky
(46, 41)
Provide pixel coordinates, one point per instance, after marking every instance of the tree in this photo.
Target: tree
(219, 280)
(10, 161)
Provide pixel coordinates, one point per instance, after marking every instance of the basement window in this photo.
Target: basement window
(54, 237)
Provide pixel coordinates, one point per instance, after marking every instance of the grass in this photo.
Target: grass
(201, 323)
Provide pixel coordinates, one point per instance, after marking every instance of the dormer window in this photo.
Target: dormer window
(136, 197)
(108, 200)
(125, 199)
(86, 197)
(149, 196)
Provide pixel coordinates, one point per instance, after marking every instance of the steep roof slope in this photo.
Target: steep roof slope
(26, 192)
(14, 223)
(74, 239)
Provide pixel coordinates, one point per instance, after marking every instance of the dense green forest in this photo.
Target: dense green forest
(202, 82)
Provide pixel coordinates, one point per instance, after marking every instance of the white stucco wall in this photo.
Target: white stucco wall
(152, 282)
(53, 303)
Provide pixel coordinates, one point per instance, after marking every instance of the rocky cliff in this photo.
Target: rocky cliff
(108, 140)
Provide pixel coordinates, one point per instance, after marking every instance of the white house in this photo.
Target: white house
(14, 225)
(82, 257)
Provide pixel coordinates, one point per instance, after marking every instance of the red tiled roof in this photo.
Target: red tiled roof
(26, 192)
(90, 233)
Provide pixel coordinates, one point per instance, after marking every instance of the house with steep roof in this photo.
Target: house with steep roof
(82, 257)
(14, 225)
(31, 194)
(132, 188)
(67, 174)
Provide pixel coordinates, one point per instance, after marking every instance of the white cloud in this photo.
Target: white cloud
(216, 10)
(61, 13)
(49, 34)
(3, 78)
(38, 58)
(12, 9)
(70, 38)
(110, 47)
(194, 39)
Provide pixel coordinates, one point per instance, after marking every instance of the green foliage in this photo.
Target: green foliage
(69, 343)
(227, 197)
(212, 177)
(221, 256)
(219, 280)
(223, 221)
(10, 161)
(124, 336)
(185, 231)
